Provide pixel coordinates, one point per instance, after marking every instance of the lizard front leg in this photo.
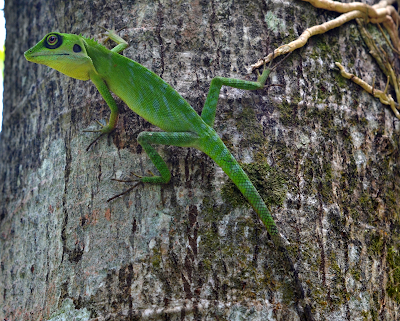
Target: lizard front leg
(105, 93)
(121, 43)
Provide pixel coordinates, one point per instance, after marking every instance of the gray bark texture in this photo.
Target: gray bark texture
(322, 152)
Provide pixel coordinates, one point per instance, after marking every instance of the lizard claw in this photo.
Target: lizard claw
(95, 140)
(138, 181)
(110, 32)
(123, 193)
(130, 180)
(96, 130)
(105, 129)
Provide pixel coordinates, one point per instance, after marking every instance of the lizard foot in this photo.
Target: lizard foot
(105, 129)
(138, 181)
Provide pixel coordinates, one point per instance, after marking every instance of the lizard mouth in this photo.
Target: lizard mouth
(33, 57)
(26, 54)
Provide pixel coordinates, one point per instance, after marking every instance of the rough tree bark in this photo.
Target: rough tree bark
(322, 151)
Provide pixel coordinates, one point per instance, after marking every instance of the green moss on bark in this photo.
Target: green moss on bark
(267, 180)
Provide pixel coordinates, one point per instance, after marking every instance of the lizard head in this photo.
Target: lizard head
(63, 52)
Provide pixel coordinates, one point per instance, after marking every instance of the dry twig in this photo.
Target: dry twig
(383, 96)
(382, 12)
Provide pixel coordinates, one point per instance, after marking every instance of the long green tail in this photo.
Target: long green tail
(217, 150)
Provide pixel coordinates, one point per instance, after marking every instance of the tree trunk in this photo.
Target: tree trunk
(322, 152)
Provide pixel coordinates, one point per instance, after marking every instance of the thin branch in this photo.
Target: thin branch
(386, 39)
(382, 95)
(382, 12)
(307, 34)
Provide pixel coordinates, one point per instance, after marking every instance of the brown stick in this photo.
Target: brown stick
(382, 95)
(382, 12)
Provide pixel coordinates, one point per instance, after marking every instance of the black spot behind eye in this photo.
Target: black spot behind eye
(77, 48)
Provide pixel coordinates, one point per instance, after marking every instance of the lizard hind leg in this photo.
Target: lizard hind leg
(181, 139)
(210, 106)
(145, 139)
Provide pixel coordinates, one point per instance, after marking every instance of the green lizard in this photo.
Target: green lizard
(153, 99)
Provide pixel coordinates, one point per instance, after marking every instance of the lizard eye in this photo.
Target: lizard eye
(53, 41)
